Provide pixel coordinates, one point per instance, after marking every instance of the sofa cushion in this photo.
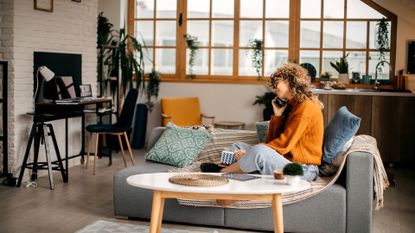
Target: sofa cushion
(338, 132)
(261, 130)
(178, 146)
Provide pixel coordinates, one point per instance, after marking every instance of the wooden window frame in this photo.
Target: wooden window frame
(293, 42)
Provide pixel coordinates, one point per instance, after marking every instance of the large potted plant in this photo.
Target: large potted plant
(342, 66)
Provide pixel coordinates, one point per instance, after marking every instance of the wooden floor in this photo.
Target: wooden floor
(87, 198)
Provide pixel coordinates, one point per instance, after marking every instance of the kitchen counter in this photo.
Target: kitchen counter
(364, 92)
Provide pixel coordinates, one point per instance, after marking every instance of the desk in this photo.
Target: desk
(46, 112)
(266, 189)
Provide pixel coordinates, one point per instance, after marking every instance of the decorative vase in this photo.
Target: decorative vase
(292, 180)
(344, 78)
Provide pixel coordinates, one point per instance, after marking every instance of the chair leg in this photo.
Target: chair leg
(88, 150)
(129, 148)
(96, 152)
(122, 149)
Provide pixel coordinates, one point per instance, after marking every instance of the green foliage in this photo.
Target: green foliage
(382, 39)
(341, 66)
(265, 99)
(104, 30)
(152, 88)
(255, 53)
(192, 44)
(325, 76)
(293, 169)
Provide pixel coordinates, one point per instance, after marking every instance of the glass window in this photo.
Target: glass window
(166, 60)
(356, 33)
(245, 65)
(311, 9)
(144, 31)
(373, 61)
(249, 30)
(166, 9)
(332, 34)
(145, 8)
(310, 34)
(166, 33)
(312, 57)
(357, 62)
(222, 33)
(222, 8)
(198, 8)
(251, 8)
(200, 29)
(334, 9)
(277, 9)
(330, 56)
(276, 34)
(274, 59)
(356, 9)
(222, 62)
(201, 62)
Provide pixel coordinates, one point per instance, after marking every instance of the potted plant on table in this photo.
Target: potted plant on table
(342, 66)
(293, 173)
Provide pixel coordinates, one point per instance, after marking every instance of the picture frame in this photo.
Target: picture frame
(43, 5)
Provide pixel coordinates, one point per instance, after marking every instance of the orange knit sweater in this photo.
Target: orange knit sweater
(302, 137)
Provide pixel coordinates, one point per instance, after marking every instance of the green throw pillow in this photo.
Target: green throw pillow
(178, 146)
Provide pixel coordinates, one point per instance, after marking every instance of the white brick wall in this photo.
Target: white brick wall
(70, 28)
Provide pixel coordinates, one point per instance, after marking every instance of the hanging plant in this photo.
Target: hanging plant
(382, 39)
(255, 53)
(152, 88)
(192, 44)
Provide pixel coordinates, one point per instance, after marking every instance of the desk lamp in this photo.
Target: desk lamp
(48, 75)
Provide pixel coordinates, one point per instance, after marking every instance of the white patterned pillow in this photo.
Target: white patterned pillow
(178, 146)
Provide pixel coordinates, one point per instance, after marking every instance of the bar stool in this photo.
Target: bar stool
(41, 132)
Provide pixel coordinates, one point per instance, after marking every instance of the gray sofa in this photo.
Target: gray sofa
(344, 207)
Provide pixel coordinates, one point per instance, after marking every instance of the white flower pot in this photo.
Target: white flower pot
(344, 78)
(293, 180)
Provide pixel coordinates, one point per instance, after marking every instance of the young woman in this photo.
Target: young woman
(295, 132)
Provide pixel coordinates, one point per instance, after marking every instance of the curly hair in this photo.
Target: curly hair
(298, 81)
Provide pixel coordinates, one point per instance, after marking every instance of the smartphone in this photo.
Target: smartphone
(280, 102)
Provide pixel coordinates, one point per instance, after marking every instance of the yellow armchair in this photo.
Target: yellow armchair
(183, 112)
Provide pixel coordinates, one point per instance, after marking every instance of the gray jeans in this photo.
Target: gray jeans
(265, 160)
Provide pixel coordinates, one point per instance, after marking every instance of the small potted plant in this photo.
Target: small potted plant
(293, 173)
(342, 66)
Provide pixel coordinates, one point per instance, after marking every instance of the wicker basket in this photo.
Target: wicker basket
(198, 180)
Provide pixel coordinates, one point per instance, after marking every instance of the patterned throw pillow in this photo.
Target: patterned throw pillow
(178, 146)
(261, 130)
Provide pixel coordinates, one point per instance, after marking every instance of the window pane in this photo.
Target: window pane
(249, 30)
(359, 10)
(251, 8)
(201, 62)
(198, 8)
(310, 34)
(312, 57)
(356, 35)
(276, 34)
(311, 9)
(245, 65)
(222, 61)
(277, 9)
(357, 62)
(330, 56)
(332, 34)
(222, 8)
(199, 29)
(372, 36)
(373, 61)
(274, 59)
(145, 9)
(166, 60)
(334, 9)
(144, 30)
(166, 9)
(222, 33)
(148, 60)
(166, 33)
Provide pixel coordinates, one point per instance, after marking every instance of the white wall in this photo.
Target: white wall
(70, 28)
(111, 9)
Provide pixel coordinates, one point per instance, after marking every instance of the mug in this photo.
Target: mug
(366, 79)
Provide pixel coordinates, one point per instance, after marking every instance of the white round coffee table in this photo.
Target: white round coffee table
(263, 189)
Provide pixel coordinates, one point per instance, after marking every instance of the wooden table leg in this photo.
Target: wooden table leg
(277, 213)
(156, 212)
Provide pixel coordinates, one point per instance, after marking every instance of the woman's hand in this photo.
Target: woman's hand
(277, 110)
(239, 153)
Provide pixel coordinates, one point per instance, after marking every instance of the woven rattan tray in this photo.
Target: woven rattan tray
(198, 180)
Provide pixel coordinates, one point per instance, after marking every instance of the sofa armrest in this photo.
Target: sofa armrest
(359, 188)
(154, 136)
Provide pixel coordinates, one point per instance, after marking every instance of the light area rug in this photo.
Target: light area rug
(102, 226)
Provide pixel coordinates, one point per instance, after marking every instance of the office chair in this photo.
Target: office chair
(182, 111)
(120, 128)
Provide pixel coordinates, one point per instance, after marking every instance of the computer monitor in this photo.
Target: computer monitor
(85, 90)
